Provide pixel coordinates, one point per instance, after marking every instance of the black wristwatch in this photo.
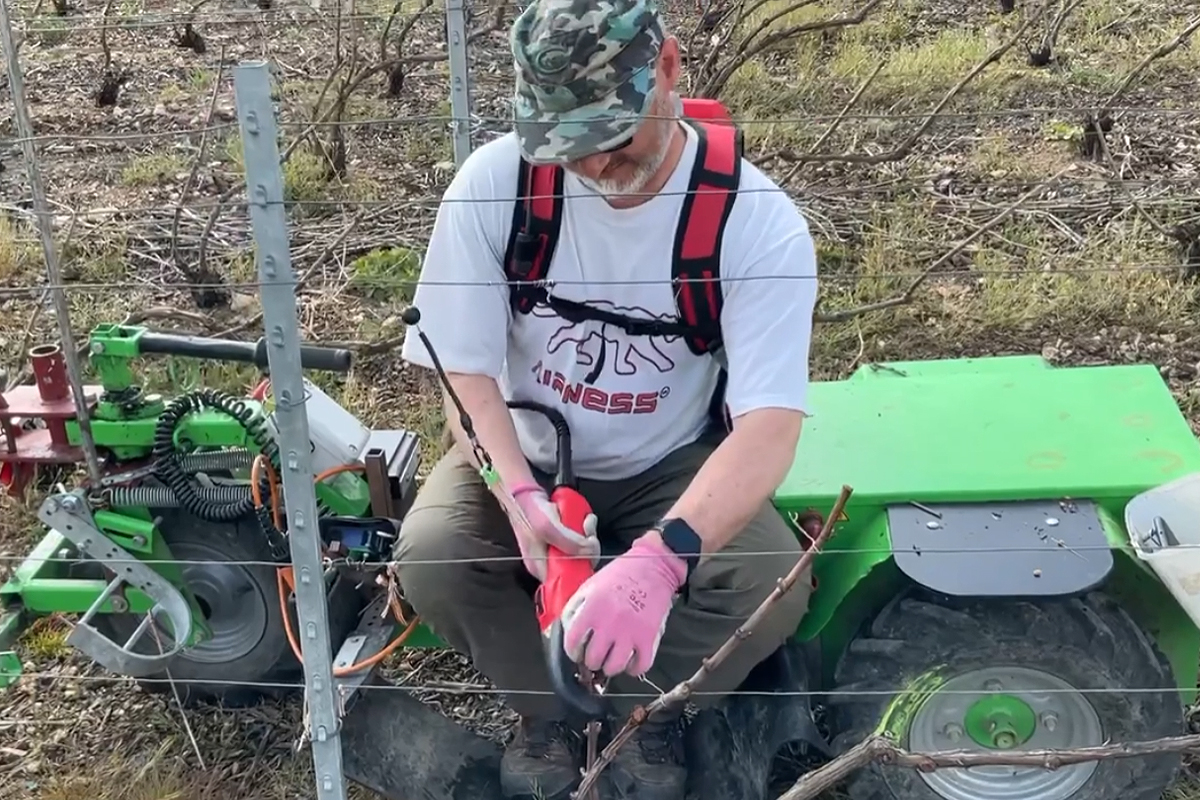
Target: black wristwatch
(684, 542)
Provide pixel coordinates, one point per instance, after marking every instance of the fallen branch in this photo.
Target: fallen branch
(1162, 51)
(907, 295)
(679, 695)
(759, 41)
(201, 152)
(325, 255)
(905, 147)
(837, 121)
(882, 750)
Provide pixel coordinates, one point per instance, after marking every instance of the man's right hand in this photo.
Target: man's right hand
(546, 528)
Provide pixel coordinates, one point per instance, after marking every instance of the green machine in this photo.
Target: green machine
(1015, 569)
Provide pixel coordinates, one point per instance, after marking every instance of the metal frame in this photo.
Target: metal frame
(268, 218)
(264, 189)
(45, 220)
(460, 79)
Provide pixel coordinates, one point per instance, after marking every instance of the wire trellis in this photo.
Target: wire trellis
(1102, 191)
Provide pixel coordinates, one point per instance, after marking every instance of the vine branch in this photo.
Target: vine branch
(679, 695)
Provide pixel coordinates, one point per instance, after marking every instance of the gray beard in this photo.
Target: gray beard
(634, 183)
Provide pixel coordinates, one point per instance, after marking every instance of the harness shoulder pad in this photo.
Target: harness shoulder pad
(695, 265)
(533, 235)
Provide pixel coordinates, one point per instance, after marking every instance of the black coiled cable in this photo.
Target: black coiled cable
(169, 469)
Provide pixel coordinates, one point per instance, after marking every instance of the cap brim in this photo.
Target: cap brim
(554, 138)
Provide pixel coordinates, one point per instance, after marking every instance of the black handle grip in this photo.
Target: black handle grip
(332, 359)
(563, 466)
(580, 702)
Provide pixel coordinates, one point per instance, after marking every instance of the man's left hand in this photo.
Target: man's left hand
(615, 621)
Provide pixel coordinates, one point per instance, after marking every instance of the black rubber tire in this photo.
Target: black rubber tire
(271, 659)
(1090, 642)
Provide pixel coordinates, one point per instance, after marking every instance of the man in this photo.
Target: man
(687, 503)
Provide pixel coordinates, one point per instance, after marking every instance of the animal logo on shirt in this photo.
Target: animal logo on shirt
(601, 344)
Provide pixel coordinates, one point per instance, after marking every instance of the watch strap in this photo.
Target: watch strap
(682, 540)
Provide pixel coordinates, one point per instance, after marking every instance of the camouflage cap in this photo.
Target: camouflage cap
(585, 74)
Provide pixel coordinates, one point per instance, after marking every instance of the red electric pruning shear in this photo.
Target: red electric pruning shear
(564, 574)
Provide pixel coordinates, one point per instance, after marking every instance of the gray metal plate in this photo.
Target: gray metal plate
(374, 632)
(1028, 548)
(70, 516)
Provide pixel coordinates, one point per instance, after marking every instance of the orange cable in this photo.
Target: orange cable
(284, 579)
(284, 575)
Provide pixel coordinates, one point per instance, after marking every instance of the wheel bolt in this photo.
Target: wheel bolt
(953, 732)
(1050, 721)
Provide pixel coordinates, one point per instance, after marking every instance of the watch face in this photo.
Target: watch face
(680, 537)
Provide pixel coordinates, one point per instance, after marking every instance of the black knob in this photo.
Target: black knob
(410, 315)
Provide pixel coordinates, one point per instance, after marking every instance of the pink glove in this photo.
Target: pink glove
(546, 528)
(614, 622)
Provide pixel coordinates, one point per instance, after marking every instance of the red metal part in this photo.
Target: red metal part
(564, 575)
(48, 400)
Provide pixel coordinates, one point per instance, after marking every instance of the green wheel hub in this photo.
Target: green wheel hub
(1004, 708)
(1000, 722)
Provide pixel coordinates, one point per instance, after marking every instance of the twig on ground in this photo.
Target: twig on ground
(837, 121)
(1111, 162)
(325, 255)
(1162, 51)
(905, 147)
(365, 348)
(190, 183)
(679, 695)
(907, 295)
(881, 749)
(1100, 122)
(760, 41)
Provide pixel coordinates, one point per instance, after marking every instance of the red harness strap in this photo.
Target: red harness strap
(695, 267)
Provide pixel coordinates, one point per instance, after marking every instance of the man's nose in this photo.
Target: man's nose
(593, 166)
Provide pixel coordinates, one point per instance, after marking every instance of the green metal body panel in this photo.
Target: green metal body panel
(134, 438)
(346, 494)
(42, 584)
(112, 349)
(965, 430)
(984, 430)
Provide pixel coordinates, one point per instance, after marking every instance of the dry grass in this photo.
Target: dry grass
(68, 736)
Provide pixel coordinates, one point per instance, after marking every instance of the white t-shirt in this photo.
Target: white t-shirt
(628, 400)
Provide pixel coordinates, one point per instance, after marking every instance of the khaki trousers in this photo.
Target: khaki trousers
(484, 609)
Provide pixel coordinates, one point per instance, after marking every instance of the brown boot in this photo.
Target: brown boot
(541, 761)
(650, 766)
